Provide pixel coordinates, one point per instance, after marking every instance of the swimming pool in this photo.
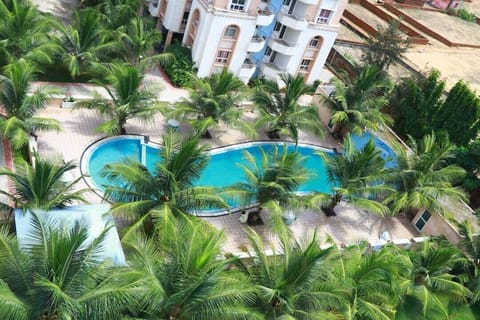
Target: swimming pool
(222, 169)
(387, 152)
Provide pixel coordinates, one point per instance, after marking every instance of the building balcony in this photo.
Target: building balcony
(247, 70)
(264, 17)
(292, 21)
(256, 44)
(309, 2)
(282, 46)
(271, 71)
(153, 8)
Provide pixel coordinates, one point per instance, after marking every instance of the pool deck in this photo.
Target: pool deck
(349, 226)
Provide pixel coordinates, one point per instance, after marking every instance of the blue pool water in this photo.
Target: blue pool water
(386, 151)
(222, 169)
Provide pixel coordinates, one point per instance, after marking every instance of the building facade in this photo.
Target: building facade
(253, 37)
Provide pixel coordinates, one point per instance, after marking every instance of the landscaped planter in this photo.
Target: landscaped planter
(68, 104)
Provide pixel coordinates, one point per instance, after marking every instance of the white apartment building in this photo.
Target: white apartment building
(254, 37)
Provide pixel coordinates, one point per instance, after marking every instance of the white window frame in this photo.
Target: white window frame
(236, 6)
(305, 67)
(229, 28)
(184, 21)
(220, 58)
(322, 19)
(423, 219)
(315, 40)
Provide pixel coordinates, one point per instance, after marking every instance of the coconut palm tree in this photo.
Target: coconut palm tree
(423, 177)
(23, 33)
(57, 274)
(21, 106)
(186, 275)
(431, 282)
(296, 283)
(170, 189)
(42, 185)
(372, 279)
(85, 42)
(280, 110)
(356, 104)
(128, 99)
(213, 100)
(272, 181)
(355, 176)
(117, 13)
(138, 37)
(470, 244)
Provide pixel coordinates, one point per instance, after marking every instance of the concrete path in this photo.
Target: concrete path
(154, 80)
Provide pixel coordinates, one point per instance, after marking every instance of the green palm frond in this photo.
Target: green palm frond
(280, 111)
(43, 184)
(213, 100)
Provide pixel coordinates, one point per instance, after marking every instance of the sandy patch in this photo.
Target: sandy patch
(452, 28)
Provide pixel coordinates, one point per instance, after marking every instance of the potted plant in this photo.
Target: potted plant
(68, 102)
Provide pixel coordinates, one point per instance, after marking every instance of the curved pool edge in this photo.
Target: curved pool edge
(88, 151)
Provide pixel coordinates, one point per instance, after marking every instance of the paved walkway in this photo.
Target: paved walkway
(154, 80)
(79, 132)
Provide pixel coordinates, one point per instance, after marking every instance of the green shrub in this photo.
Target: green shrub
(464, 15)
(178, 70)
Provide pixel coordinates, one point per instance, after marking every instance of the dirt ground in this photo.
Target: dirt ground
(453, 63)
(452, 28)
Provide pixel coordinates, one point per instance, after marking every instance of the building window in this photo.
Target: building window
(324, 16)
(230, 32)
(305, 65)
(268, 52)
(185, 18)
(238, 5)
(222, 57)
(286, 2)
(422, 221)
(277, 26)
(314, 42)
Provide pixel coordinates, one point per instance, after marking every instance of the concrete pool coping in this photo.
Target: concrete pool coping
(144, 140)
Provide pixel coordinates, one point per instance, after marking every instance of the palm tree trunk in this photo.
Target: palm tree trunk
(329, 210)
(274, 134)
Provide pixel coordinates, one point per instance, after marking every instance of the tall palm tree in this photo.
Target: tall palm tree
(117, 13)
(280, 111)
(431, 282)
(42, 185)
(213, 99)
(23, 33)
(85, 42)
(296, 284)
(186, 277)
(139, 36)
(356, 176)
(272, 181)
(142, 194)
(470, 244)
(57, 274)
(356, 103)
(423, 177)
(21, 106)
(372, 279)
(128, 99)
